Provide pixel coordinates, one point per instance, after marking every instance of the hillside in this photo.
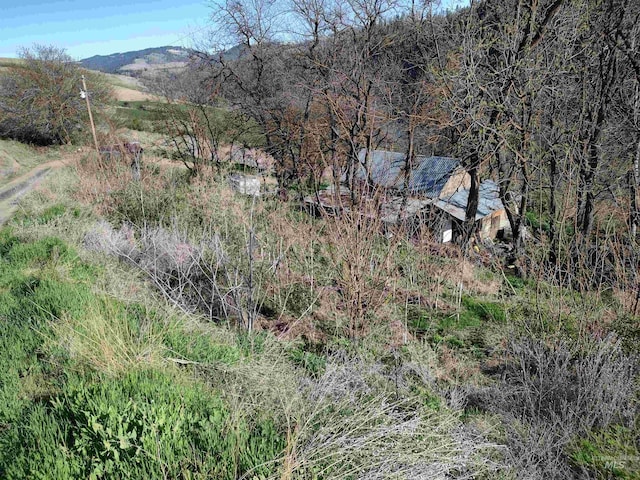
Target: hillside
(277, 268)
(127, 89)
(137, 61)
(6, 63)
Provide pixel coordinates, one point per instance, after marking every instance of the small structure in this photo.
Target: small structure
(491, 216)
(245, 184)
(435, 192)
(132, 150)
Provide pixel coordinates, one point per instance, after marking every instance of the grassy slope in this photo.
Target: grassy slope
(86, 341)
(89, 368)
(123, 81)
(126, 88)
(83, 372)
(8, 62)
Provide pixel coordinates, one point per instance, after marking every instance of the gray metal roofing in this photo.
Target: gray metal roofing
(488, 201)
(428, 176)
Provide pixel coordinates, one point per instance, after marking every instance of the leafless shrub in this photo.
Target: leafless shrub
(104, 238)
(251, 157)
(197, 277)
(548, 394)
(203, 139)
(536, 451)
(344, 380)
(166, 252)
(362, 259)
(349, 427)
(583, 390)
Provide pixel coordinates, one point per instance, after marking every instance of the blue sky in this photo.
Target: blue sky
(94, 27)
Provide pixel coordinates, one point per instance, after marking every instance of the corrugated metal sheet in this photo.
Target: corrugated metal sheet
(428, 176)
(488, 201)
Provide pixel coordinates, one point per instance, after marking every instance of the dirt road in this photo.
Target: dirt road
(14, 190)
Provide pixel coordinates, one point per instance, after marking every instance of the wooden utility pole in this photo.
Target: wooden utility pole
(85, 94)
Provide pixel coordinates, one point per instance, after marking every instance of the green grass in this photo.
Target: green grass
(537, 222)
(311, 361)
(465, 330)
(200, 346)
(48, 214)
(39, 281)
(483, 310)
(145, 424)
(83, 390)
(142, 115)
(612, 453)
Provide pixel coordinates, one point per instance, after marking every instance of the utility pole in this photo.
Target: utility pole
(85, 94)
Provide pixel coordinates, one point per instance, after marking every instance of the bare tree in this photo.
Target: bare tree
(493, 91)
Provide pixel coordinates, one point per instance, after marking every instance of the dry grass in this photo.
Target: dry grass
(124, 94)
(9, 62)
(128, 89)
(349, 428)
(98, 180)
(106, 340)
(123, 81)
(17, 158)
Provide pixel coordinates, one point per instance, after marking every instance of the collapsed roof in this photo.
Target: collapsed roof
(488, 201)
(387, 169)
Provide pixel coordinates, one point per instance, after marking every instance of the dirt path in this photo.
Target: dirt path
(26, 176)
(14, 190)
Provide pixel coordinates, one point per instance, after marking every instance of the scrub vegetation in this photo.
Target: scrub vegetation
(158, 324)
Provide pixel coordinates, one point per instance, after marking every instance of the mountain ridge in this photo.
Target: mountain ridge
(136, 61)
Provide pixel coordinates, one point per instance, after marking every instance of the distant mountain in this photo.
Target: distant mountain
(147, 62)
(136, 62)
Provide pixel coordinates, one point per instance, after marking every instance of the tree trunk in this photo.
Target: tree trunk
(408, 167)
(634, 184)
(472, 203)
(553, 235)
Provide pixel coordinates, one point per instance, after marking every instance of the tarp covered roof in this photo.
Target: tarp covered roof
(428, 176)
(488, 201)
